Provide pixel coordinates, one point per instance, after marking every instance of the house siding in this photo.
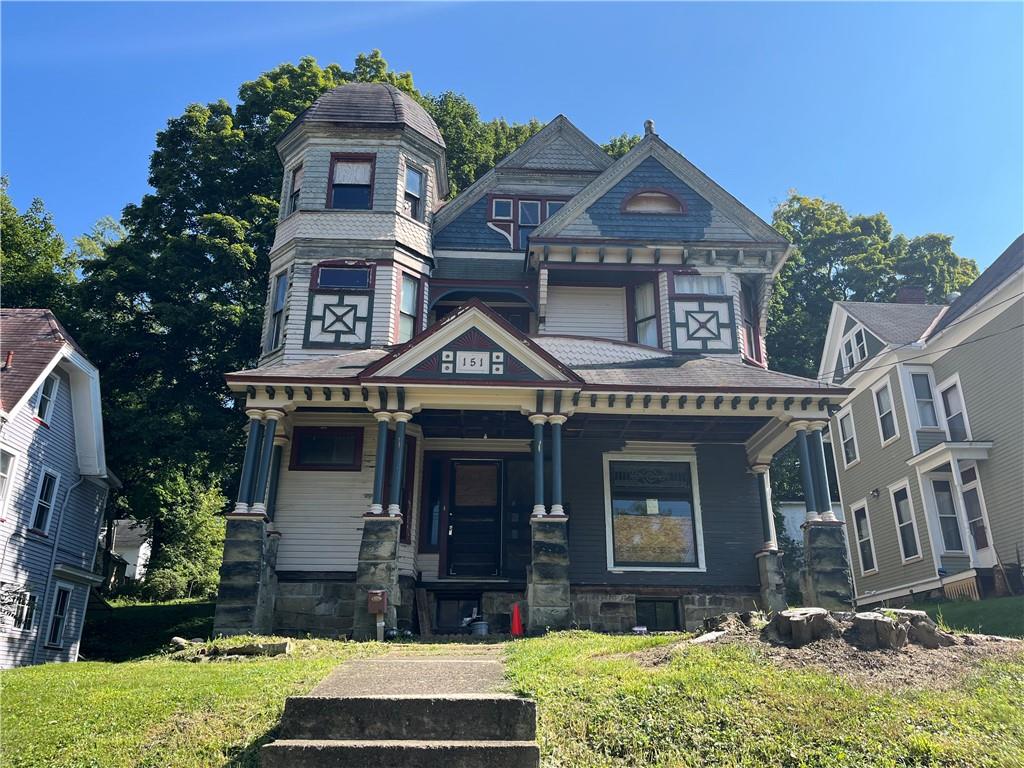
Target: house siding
(992, 397)
(27, 554)
(469, 231)
(878, 468)
(578, 311)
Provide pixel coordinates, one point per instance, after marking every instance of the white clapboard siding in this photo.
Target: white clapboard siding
(664, 313)
(586, 311)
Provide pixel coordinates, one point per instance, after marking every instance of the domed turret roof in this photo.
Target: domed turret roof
(377, 104)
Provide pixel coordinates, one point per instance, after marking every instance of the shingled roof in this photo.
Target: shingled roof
(894, 323)
(376, 104)
(30, 339)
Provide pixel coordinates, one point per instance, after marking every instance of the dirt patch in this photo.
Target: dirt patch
(912, 666)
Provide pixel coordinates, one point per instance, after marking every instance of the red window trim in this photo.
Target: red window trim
(40, 422)
(299, 432)
(350, 156)
(683, 211)
(543, 200)
(314, 275)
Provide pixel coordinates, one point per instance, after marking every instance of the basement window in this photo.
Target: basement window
(658, 615)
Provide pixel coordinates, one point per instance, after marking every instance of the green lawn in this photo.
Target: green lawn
(598, 708)
(995, 616)
(130, 631)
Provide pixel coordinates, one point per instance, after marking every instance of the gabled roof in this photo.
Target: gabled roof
(555, 142)
(999, 271)
(652, 146)
(31, 339)
(894, 323)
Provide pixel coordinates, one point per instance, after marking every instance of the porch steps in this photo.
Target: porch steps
(407, 713)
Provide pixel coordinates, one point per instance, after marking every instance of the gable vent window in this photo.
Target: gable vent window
(700, 285)
(855, 348)
(351, 184)
(414, 193)
(653, 202)
(295, 190)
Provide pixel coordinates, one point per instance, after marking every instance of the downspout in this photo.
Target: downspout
(53, 562)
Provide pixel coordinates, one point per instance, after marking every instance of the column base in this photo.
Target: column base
(547, 592)
(557, 510)
(240, 509)
(825, 579)
(394, 510)
(773, 580)
(246, 593)
(376, 510)
(377, 569)
(258, 509)
(538, 510)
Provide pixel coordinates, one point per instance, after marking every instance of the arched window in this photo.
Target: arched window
(653, 201)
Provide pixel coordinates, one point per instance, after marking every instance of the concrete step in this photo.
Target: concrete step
(320, 753)
(466, 717)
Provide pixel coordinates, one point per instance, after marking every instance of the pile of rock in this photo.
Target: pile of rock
(889, 629)
(234, 653)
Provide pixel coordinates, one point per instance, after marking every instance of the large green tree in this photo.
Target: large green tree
(839, 257)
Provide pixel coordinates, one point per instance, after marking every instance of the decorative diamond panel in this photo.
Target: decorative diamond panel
(338, 320)
(703, 325)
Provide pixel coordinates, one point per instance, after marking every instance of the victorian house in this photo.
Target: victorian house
(550, 390)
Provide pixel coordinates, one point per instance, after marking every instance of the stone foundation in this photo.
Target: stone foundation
(614, 610)
(773, 580)
(322, 608)
(825, 579)
(245, 596)
(547, 578)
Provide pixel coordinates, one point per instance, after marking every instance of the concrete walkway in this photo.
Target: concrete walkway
(398, 674)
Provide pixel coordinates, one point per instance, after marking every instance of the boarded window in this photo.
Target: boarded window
(652, 512)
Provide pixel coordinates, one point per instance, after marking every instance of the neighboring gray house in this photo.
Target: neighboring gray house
(53, 487)
(549, 390)
(929, 446)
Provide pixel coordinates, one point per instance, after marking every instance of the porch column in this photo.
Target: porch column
(556, 423)
(538, 420)
(259, 506)
(764, 493)
(377, 501)
(398, 465)
(806, 475)
(252, 445)
(280, 445)
(822, 497)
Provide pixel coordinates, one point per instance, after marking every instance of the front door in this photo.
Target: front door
(474, 518)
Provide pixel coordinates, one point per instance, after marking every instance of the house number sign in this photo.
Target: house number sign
(472, 362)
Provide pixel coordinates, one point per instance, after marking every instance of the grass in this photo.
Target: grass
(156, 712)
(132, 630)
(723, 706)
(994, 616)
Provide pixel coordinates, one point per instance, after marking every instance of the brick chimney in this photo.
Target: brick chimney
(911, 294)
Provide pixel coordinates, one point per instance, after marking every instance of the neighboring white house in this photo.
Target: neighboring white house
(53, 487)
(132, 543)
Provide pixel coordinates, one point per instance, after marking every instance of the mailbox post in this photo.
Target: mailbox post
(377, 603)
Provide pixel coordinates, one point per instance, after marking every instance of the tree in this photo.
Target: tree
(846, 258)
(620, 145)
(38, 269)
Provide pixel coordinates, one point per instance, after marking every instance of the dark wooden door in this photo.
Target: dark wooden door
(474, 518)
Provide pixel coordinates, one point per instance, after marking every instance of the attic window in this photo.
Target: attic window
(653, 202)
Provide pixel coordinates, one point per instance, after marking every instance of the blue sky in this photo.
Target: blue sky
(912, 109)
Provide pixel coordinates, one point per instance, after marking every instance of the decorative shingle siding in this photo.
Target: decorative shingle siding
(456, 268)
(991, 372)
(469, 231)
(701, 222)
(560, 155)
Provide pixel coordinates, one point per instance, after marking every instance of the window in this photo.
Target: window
(44, 501)
(645, 315)
(59, 616)
(855, 348)
(848, 438)
(351, 183)
(851, 359)
(654, 520)
(887, 429)
(865, 546)
(341, 278)
(974, 505)
(905, 524)
(658, 615)
(862, 344)
(7, 463)
(414, 193)
(529, 213)
(327, 448)
(554, 206)
(24, 610)
(751, 324)
(953, 405)
(408, 306)
(501, 209)
(47, 394)
(925, 400)
(295, 190)
(653, 202)
(452, 611)
(277, 311)
(430, 505)
(700, 285)
(948, 523)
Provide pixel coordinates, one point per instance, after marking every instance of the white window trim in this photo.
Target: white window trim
(847, 411)
(910, 399)
(686, 455)
(881, 384)
(946, 383)
(45, 418)
(857, 505)
(850, 336)
(547, 207)
(905, 484)
(59, 644)
(540, 210)
(15, 462)
(422, 196)
(989, 551)
(959, 513)
(284, 273)
(43, 472)
(290, 175)
(510, 202)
